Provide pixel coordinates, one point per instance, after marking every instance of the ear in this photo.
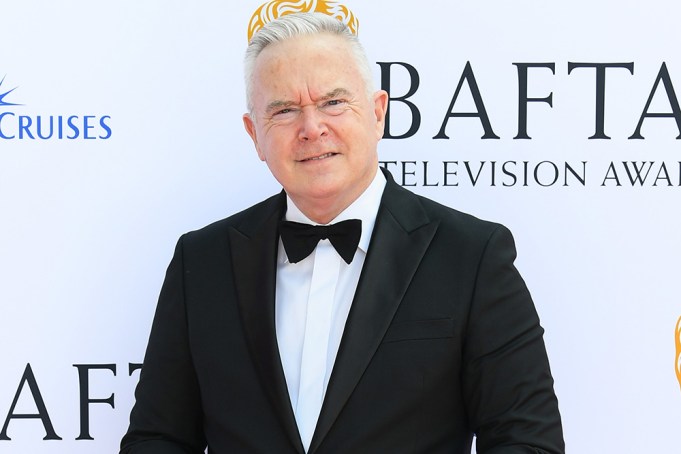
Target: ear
(249, 125)
(380, 109)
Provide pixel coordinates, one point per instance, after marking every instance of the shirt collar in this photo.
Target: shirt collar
(365, 208)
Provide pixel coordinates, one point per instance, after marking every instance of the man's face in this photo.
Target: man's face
(314, 124)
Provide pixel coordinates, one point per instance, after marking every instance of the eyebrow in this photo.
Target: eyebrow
(279, 104)
(336, 93)
(276, 105)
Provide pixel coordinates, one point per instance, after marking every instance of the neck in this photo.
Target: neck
(323, 210)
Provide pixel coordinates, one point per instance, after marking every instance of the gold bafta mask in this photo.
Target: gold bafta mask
(677, 339)
(277, 8)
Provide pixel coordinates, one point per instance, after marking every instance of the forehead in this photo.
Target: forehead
(318, 63)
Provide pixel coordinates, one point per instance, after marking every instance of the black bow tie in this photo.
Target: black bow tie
(301, 239)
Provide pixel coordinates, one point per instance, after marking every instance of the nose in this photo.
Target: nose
(312, 124)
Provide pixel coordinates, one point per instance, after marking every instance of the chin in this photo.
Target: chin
(323, 192)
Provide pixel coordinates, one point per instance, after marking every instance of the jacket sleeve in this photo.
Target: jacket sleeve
(166, 417)
(507, 382)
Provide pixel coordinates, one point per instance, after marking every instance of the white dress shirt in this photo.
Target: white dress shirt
(313, 299)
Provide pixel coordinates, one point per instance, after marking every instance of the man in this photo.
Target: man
(420, 336)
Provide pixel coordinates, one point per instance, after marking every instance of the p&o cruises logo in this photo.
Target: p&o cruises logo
(2, 95)
(17, 125)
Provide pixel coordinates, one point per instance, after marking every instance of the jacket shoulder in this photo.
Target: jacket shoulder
(456, 218)
(452, 221)
(245, 221)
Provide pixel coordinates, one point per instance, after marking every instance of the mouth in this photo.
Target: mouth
(319, 158)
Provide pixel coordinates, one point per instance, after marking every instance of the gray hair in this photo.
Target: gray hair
(299, 24)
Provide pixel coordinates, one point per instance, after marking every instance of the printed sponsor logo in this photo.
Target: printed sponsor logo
(16, 124)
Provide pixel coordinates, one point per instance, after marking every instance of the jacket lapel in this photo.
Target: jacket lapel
(254, 245)
(401, 236)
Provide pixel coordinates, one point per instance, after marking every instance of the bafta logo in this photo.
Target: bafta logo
(677, 339)
(277, 8)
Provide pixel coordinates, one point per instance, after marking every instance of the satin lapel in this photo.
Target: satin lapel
(254, 256)
(400, 239)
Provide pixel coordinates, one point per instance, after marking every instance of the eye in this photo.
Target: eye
(334, 106)
(283, 114)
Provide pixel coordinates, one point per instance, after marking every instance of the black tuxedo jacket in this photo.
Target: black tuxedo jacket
(442, 341)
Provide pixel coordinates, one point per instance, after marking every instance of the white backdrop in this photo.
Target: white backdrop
(89, 224)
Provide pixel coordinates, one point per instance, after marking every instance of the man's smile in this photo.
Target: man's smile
(319, 157)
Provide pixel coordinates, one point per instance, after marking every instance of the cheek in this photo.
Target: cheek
(267, 145)
(272, 154)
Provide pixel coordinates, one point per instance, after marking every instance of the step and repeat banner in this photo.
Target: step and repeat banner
(120, 129)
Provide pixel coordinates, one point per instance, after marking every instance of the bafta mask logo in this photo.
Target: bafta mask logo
(677, 338)
(277, 8)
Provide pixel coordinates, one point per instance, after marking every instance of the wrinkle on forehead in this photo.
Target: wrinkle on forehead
(304, 70)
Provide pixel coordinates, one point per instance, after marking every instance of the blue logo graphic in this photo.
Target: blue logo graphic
(31, 126)
(2, 95)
